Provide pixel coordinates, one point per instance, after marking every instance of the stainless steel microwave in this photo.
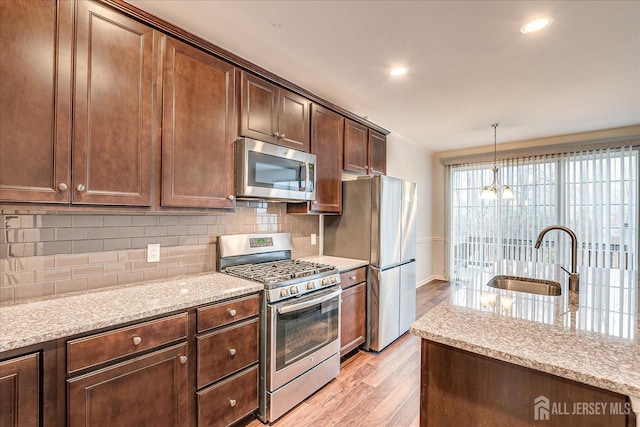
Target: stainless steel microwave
(271, 172)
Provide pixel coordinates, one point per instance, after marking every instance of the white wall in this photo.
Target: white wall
(406, 161)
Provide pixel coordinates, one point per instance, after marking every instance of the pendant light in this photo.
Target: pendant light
(490, 192)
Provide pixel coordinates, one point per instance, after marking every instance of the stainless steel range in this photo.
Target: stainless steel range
(300, 317)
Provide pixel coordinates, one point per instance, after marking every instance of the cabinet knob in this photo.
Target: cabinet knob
(352, 277)
(232, 312)
(80, 188)
(366, 167)
(183, 359)
(231, 197)
(62, 186)
(232, 352)
(276, 134)
(232, 402)
(137, 340)
(282, 136)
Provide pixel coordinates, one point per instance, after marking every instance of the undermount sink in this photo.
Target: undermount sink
(526, 284)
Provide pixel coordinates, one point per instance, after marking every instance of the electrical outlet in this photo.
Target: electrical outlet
(313, 239)
(153, 252)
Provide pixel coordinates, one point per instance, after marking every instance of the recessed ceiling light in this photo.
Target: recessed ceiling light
(536, 25)
(398, 71)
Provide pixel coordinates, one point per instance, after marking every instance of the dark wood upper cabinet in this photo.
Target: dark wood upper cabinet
(113, 107)
(365, 150)
(326, 143)
(20, 391)
(272, 114)
(356, 158)
(35, 100)
(293, 120)
(198, 129)
(377, 153)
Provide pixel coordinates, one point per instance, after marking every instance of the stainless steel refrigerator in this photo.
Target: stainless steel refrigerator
(378, 224)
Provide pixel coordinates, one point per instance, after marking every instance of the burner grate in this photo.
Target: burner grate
(279, 271)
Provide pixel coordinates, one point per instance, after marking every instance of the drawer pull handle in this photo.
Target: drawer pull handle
(352, 278)
(137, 340)
(232, 312)
(183, 359)
(232, 402)
(232, 352)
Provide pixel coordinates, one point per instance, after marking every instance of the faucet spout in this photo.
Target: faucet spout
(573, 274)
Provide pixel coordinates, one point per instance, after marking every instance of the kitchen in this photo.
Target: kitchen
(52, 248)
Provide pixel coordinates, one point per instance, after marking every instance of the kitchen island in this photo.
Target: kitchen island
(511, 358)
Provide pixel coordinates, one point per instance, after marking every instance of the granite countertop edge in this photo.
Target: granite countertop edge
(37, 321)
(518, 356)
(342, 264)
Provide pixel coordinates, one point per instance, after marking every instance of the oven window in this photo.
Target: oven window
(274, 172)
(302, 332)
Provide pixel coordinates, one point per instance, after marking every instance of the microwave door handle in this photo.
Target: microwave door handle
(302, 183)
(295, 307)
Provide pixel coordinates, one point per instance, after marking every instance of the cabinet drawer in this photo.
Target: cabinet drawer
(96, 349)
(223, 352)
(350, 278)
(230, 400)
(227, 312)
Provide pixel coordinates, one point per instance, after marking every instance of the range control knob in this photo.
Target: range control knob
(294, 290)
(325, 281)
(311, 285)
(284, 293)
(333, 279)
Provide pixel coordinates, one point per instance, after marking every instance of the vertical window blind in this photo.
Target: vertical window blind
(594, 192)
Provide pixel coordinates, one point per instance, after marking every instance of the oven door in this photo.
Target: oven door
(268, 171)
(301, 333)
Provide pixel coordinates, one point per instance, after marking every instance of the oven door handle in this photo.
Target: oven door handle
(295, 307)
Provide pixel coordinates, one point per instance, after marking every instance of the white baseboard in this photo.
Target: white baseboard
(431, 279)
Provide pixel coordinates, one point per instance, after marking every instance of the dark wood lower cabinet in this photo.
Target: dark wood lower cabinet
(20, 391)
(230, 400)
(463, 388)
(150, 390)
(353, 326)
(227, 350)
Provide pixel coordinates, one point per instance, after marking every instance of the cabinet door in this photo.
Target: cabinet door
(377, 153)
(293, 121)
(20, 391)
(147, 391)
(355, 147)
(259, 109)
(327, 138)
(198, 129)
(35, 100)
(113, 108)
(353, 318)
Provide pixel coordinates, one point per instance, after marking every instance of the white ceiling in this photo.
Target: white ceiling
(469, 65)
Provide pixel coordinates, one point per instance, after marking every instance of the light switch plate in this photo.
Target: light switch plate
(153, 252)
(314, 240)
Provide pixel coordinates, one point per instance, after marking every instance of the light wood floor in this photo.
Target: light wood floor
(372, 389)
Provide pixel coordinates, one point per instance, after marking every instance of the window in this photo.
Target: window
(593, 192)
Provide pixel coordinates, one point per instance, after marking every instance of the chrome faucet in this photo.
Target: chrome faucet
(574, 277)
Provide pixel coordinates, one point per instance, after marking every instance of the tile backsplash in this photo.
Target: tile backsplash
(48, 252)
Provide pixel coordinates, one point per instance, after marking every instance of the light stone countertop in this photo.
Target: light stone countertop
(342, 264)
(37, 321)
(591, 336)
